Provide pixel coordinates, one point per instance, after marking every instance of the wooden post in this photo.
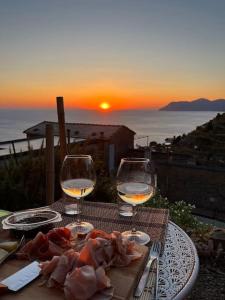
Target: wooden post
(28, 144)
(68, 140)
(13, 146)
(68, 136)
(50, 164)
(14, 152)
(62, 132)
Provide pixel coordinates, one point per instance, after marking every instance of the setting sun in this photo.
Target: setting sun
(105, 105)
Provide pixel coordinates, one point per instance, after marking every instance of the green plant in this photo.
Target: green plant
(181, 213)
(21, 182)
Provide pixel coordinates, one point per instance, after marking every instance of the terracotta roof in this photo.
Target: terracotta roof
(81, 130)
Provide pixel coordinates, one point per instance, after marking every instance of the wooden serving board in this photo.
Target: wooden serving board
(124, 280)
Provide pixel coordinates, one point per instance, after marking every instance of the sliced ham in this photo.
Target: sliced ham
(48, 267)
(45, 246)
(96, 252)
(124, 250)
(113, 251)
(24, 252)
(60, 236)
(39, 244)
(102, 280)
(84, 282)
(98, 233)
(67, 262)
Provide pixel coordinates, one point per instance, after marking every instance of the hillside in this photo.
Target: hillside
(196, 105)
(206, 144)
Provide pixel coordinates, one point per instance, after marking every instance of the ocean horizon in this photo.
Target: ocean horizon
(155, 124)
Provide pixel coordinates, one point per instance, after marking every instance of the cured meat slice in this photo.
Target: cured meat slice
(66, 263)
(48, 267)
(60, 236)
(24, 252)
(124, 250)
(43, 253)
(84, 282)
(39, 244)
(97, 252)
(102, 280)
(40, 247)
(98, 233)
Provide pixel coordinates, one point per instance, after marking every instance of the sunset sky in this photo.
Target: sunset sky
(128, 53)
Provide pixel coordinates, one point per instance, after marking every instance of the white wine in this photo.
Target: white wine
(78, 188)
(134, 192)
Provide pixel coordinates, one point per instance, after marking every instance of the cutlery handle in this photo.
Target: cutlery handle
(144, 278)
(149, 267)
(156, 279)
(3, 289)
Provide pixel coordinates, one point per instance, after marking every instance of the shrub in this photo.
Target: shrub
(21, 182)
(181, 214)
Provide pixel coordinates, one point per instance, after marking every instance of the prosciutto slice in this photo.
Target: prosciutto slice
(84, 282)
(48, 267)
(98, 233)
(60, 236)
(109, 251)
(66, 263)
(124, 250)
(45, 246)
(97, 252)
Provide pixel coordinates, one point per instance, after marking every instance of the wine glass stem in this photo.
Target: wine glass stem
(80, 209)
(133, 230)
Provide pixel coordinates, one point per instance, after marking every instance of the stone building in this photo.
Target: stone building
(114, 140)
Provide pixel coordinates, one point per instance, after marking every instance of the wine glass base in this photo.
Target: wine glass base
(71, 209)
(139, 237)
(80, 228)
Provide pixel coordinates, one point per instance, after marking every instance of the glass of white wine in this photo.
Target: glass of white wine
(135, 185)
(78, 179)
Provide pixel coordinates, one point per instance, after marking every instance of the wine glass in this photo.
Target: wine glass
(135, 185)
(77, 179)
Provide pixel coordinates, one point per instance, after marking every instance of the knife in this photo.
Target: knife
(21, 278)
(153, 255)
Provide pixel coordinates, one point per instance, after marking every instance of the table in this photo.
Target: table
(178, 266)
(179, 263)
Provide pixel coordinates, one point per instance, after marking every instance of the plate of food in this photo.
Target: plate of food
(100, 265)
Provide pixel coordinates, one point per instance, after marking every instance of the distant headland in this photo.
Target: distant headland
(200, 104)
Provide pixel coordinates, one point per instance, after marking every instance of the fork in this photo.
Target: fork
(153, 255)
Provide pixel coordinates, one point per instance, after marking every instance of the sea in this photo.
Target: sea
(149, 125)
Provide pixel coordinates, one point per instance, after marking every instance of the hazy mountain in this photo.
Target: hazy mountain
(200, 104)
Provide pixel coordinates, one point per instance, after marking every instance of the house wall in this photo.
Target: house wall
(199, 186)
(124, 141)
(202, 186)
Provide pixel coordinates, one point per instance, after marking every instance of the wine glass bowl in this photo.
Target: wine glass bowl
(77, 188)
(135, 185)
(134, 193)
(78, 179)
